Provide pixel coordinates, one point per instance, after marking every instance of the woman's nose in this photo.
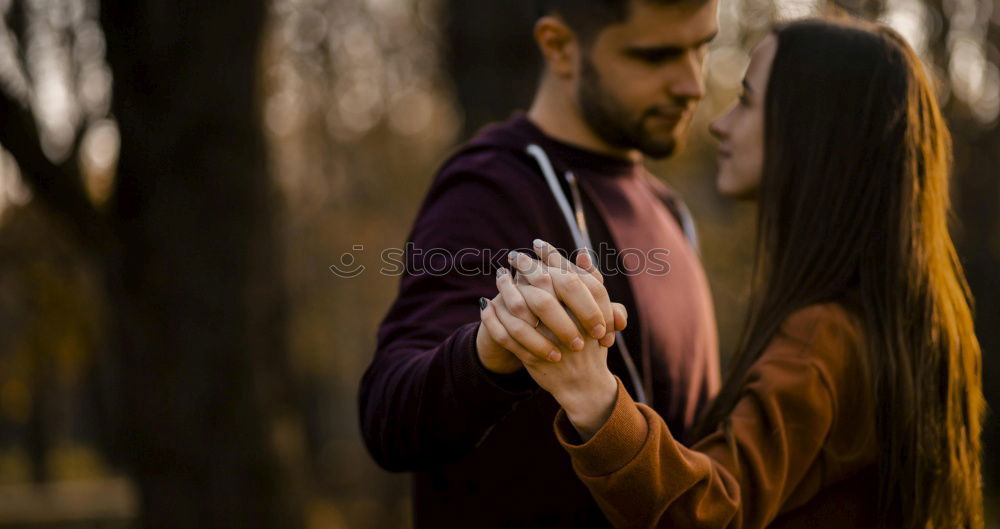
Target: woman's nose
(716, 127)
(720, 127)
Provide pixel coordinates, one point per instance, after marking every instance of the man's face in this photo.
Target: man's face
(641, 79)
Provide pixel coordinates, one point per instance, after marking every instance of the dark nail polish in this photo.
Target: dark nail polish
(482, 303)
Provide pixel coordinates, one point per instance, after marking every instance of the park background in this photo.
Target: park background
(177, 178)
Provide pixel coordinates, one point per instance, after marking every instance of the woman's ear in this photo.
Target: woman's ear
(558, 45)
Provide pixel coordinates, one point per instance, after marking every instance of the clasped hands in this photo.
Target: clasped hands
(556, 320)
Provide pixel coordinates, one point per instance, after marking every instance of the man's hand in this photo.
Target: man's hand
(492, 355)
(497, 350)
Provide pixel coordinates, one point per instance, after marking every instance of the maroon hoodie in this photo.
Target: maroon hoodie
(481, 445)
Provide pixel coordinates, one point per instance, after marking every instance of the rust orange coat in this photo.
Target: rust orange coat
(799, 449)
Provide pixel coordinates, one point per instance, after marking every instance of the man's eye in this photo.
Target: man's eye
(744, 100)
(655, 57)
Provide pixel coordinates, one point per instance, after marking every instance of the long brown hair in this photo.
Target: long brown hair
(854, 209)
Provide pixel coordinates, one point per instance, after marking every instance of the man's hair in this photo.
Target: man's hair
(588, 17)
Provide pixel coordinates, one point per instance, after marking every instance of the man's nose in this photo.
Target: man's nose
(689, 79)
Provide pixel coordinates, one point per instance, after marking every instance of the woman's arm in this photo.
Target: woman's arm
(740, 476)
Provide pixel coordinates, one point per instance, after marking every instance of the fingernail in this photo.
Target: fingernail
(538, 243)
(577, 344)
(512, 256)
(501, 272)
(554, 356)
(482, 303)
(597, 331)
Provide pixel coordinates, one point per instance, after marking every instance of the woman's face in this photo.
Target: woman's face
(741, 130)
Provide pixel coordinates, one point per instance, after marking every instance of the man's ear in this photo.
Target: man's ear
(558, 44)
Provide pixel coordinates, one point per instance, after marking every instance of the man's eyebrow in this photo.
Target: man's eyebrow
(671, 49)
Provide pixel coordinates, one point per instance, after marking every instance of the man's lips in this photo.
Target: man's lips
(668, 115)
(723, 153)
(665, 120)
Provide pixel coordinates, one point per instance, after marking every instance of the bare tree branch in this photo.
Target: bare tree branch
(58, 186)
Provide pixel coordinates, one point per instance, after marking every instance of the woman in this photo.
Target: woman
(854, 398)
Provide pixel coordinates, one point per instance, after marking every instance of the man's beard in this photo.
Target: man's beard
(611, 123)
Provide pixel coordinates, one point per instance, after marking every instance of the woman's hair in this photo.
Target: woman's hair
(854, 209)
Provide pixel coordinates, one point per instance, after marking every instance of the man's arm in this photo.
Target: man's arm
(426, 398)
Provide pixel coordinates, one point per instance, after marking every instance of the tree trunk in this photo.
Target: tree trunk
(490, 55)
(196, 308)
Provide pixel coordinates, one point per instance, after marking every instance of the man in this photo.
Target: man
(439, 399)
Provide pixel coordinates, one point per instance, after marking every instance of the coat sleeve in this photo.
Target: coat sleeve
(747, 472)
(425, 399)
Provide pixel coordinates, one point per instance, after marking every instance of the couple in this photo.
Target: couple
(853, 399)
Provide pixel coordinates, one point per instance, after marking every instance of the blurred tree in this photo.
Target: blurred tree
(185, 240)
(490, 53)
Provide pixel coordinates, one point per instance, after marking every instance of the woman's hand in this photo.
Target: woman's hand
(577, 376)
(580, 287)
(579, 380)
